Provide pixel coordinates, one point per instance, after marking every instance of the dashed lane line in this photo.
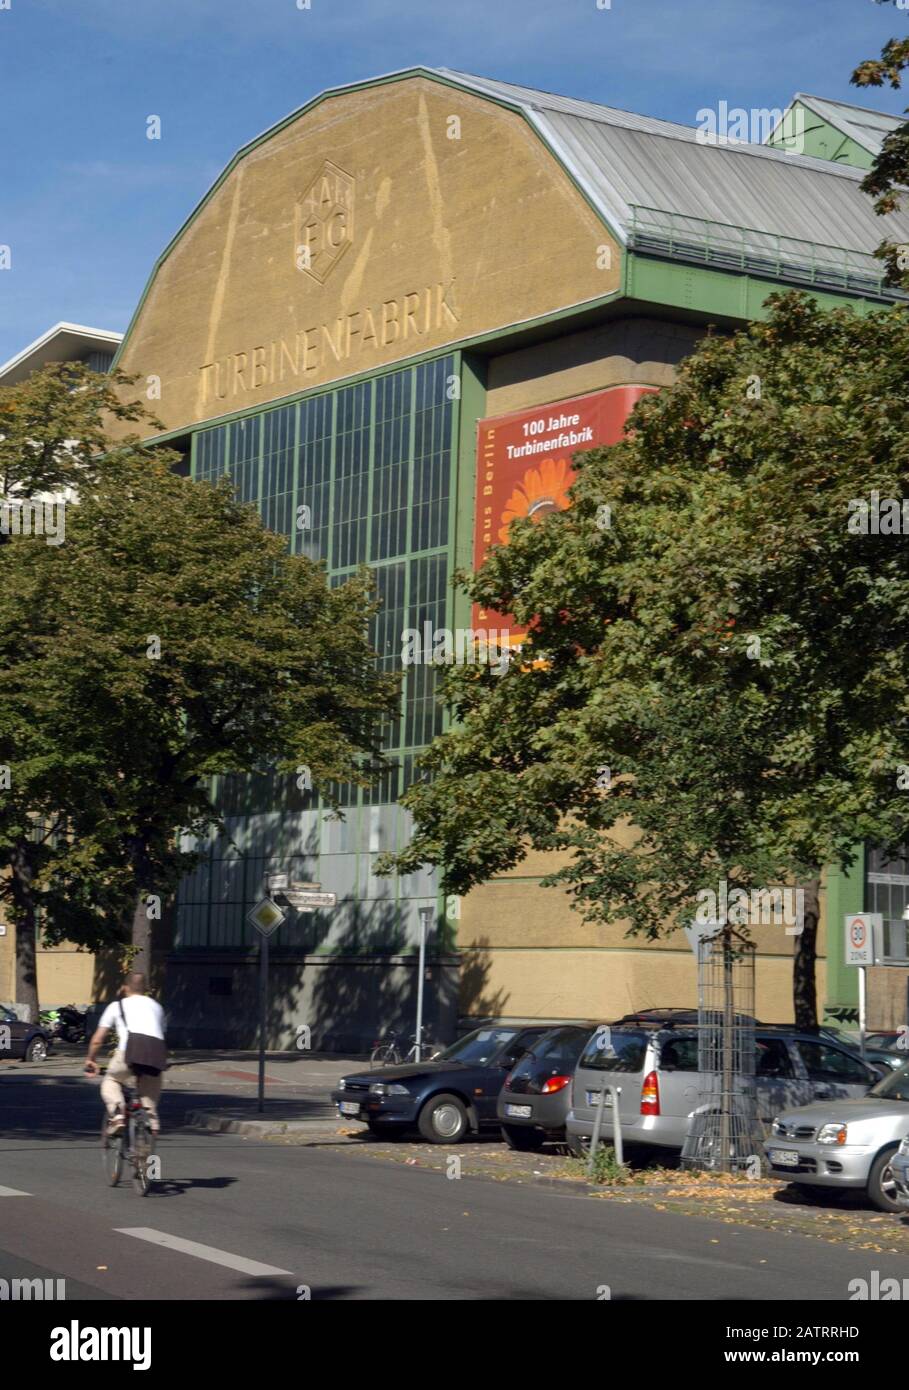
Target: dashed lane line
(201, 1252)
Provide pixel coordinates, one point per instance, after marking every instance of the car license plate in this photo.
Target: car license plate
(784, 1158)
(593, 1098)
(349, 1107)
(520, 1112)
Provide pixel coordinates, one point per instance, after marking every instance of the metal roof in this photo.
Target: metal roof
(64, 342)
(863, 125)
(623, 160)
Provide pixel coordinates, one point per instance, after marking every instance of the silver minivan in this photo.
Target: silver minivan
(656, 1068)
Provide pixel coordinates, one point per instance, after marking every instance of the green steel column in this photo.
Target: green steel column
(472, 409)
(845, 893)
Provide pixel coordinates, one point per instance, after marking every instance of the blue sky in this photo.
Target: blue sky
(87, 202)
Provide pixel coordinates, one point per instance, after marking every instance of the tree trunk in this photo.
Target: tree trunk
(804, 985)
(26, 925)
(141, 936)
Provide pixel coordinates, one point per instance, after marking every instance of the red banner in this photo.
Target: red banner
(524, 469)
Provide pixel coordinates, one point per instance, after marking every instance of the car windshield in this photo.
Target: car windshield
(616, 1049)
(7, 1013)
(478, 1048)
(558, 1050)
(895, 1085)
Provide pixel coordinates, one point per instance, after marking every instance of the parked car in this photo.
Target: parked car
(888, 1038)
(655, 1062)
(878, 1054)
(444, 1098)
(535, 1099)
(899, 1168)
(847, 1143)
(27, 1042)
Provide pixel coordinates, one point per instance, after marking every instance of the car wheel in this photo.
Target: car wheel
(443, 1120)
(881, 1184)
(36, 1050)
(523, 1139)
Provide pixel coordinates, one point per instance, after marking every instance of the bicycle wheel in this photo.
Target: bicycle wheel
(140, 1150)
(385, 1055)
(111, 1153)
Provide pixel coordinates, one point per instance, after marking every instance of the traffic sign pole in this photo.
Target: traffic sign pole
(263, 1014)
(862, 929)
(266, 917)
(426, 914)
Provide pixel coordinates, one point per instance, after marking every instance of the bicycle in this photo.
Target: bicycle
(133, 1145)
(386, 1052)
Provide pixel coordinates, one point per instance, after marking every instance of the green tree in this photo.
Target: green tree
(169, 639)
(889, 174)
(714, 681)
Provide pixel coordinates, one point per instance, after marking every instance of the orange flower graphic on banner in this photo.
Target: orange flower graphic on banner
(542, 489)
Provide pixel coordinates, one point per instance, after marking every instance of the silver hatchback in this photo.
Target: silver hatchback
(656, 1071)
(850, 1144)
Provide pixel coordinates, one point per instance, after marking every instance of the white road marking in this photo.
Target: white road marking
(13, 1192)
(201, 1252)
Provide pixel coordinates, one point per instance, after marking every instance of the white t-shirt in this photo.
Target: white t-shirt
(143, 1015)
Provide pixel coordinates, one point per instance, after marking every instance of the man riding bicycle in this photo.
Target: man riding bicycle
(140, 1056)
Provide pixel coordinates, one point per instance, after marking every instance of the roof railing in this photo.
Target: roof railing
(724, 246)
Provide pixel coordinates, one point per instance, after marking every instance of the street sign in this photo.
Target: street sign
(860, 931)
(307, 900)
(277, 883)
(266, 917)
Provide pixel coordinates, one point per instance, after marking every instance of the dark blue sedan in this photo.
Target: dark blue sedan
(29, 1042)
(444, 1099)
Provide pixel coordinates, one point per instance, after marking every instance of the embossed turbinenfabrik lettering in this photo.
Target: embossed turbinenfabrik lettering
(347, 338)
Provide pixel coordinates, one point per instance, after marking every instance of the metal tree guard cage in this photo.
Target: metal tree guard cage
(724, 1133)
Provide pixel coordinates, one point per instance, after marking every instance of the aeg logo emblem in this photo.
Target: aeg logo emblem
(326, 223)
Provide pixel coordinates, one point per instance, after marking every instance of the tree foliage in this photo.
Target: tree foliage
(889, 174)
(170, 638)
(714, 686)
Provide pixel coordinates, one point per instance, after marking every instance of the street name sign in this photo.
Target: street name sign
(308, 899)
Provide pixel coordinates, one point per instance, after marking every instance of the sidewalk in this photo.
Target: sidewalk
(218, 1091)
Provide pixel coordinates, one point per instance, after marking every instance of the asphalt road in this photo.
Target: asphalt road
(241, 1219)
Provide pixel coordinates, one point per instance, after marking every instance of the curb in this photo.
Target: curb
(256, 1129)
(568, 1185)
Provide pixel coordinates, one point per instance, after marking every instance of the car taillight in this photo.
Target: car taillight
(555, 1083)
(650, 1095)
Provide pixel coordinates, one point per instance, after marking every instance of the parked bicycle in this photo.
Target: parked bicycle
(387, 1051)
(131, 1147)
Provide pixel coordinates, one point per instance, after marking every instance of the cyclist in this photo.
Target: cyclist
(134, 1014)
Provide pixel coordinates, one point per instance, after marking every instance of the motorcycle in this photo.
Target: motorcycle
(72, 1023)
(49, 1020)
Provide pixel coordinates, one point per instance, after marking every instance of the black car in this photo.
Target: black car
(24, 1042)
(445, 1098)
(536, 1095)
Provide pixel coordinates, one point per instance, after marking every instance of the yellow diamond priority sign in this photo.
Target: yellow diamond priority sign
(266, 917)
